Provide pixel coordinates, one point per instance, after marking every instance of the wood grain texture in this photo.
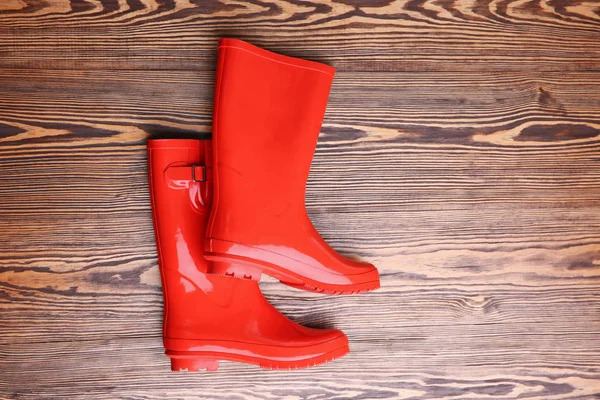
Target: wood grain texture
(460, 153)
(352, 35)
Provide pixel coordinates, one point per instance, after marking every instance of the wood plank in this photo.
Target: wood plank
(352, 35)
(411, 366)
(46, 307)
(411, 106)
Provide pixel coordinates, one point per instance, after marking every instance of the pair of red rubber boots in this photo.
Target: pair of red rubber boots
(229, 210)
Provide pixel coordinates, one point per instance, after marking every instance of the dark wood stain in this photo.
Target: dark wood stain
(460, 153)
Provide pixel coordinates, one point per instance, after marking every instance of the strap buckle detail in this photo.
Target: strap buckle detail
(194, 177)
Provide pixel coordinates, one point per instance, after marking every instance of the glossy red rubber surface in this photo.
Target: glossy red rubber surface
(210, 317)
(267, 118)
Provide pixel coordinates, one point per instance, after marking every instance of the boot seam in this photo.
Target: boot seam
(215, 143)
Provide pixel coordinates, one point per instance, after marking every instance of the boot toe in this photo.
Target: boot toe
(326, 345)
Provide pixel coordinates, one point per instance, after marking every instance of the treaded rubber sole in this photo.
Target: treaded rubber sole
(337, 289)
(200, 361)
(285, 276)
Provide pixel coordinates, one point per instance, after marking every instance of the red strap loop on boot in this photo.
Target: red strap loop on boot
(195, 173)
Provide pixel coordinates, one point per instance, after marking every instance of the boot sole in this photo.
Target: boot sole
(190, 361)
(285, 276)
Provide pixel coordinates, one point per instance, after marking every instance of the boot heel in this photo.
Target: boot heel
(193, 364)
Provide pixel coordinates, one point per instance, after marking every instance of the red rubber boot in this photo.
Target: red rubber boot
(268, 112)
(209, 317)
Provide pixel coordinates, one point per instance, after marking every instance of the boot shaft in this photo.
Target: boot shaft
(267, 117)
(180, 208)
(180, 205)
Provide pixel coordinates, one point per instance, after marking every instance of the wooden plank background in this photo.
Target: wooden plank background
(460, 153)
